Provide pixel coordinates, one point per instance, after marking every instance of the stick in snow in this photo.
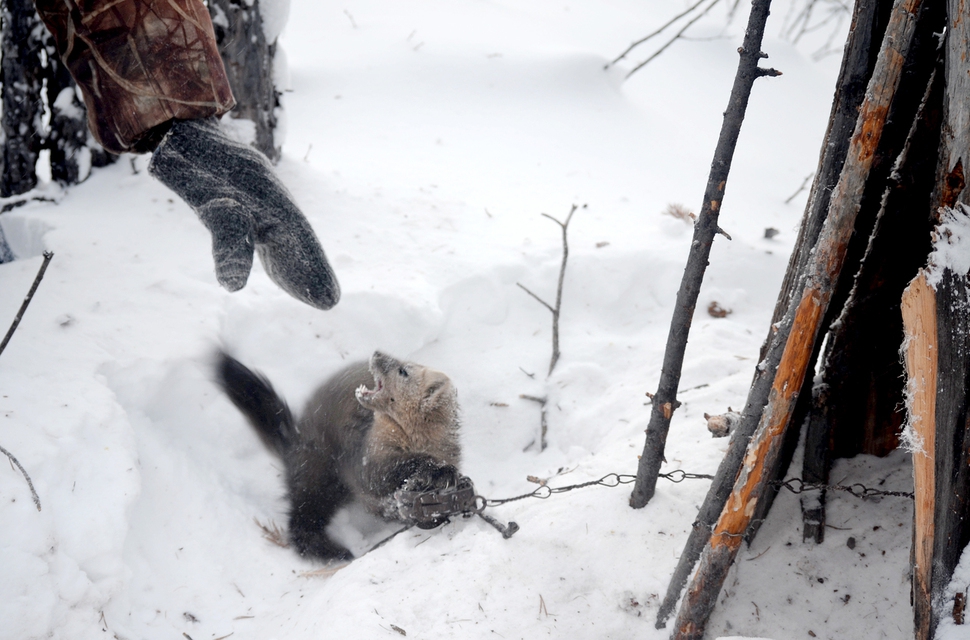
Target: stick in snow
(705, 229)
(30, 294)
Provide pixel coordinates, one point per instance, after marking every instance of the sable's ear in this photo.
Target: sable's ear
(434, 396)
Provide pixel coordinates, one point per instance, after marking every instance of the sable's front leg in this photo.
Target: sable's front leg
(414, 472)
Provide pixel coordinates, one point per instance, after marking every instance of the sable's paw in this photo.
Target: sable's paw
(316, 544)
(445, 477)
(430, 475)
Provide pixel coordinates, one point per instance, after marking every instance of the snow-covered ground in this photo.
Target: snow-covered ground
(424, 140)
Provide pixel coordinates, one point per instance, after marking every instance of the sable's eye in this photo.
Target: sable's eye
(403, 372)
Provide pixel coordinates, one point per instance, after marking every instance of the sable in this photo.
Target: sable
(354, 443)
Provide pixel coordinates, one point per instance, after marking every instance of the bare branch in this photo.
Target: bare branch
(555, 314)
(705, 229)
(676, 37)
(562, 276)
(30, 484)
(801, 188)
(540, 300)
(30, 294)
(657, 32)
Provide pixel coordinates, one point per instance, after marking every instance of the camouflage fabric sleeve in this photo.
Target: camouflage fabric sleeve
(139, 64)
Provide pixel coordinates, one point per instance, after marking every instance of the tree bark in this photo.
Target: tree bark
(20, 75)
(801, 326)
(665, 400)
(249, 60)
(956, 110)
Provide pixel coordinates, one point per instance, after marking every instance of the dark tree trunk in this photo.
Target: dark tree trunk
(249, 64)
(22, 79)
(68, 136)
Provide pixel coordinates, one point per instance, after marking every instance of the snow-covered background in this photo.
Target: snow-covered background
(424, 140)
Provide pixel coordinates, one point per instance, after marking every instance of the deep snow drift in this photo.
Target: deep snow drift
(424, 140)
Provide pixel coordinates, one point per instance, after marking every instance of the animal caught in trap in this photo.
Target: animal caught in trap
(376, 433)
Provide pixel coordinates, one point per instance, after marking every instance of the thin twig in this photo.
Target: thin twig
(353, 22)
(555, 314)
(656, 33)
(30, 294)
(801, 188)
(543, 421)
(538, 299)
(674, 39)
(3, 345)
(26, 477)
(562, 276)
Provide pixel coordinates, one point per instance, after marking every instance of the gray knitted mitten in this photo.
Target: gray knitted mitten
(233, 189)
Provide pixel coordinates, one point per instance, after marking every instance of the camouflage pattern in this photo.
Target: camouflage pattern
(139, 64)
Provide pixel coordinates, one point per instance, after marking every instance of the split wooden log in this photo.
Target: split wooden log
(800, 329)
(869, 20)
(956, 129)
(939, 312)
(936, 317)
(665, 399)
(897, 134)
(919, 350)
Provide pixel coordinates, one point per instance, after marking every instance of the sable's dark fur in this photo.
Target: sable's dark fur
(353, 443)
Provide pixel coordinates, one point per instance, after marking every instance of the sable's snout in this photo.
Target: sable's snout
(383, 363)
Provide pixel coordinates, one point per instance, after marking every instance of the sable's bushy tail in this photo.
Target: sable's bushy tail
(252, 394)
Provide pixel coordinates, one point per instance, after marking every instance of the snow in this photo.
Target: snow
(951, 245)
(424, 141)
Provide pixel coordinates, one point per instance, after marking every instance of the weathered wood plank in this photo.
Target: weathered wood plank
(920, 351)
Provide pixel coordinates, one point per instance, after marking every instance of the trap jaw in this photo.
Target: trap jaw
(433, 508)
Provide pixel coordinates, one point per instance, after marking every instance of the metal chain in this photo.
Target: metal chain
(609, 480)
(797, 485)
(542, 492)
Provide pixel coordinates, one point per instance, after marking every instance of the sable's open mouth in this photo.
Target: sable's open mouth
(363, 391)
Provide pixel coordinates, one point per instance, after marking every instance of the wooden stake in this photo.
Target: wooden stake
(665, 400)
(801, 328)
